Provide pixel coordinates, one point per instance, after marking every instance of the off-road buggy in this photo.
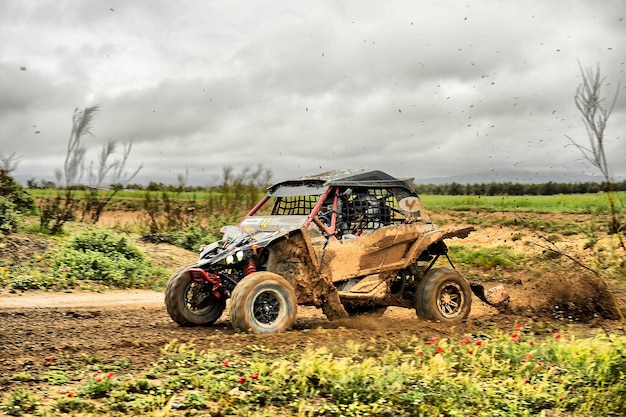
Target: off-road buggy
(349, 242)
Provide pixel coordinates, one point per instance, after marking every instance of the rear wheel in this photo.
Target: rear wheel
(190, 303)
(443, 295)
(263, 302)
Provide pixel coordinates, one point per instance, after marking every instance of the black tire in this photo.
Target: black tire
(263, 302)
(190, 303)
(369, 311)
(443, 295)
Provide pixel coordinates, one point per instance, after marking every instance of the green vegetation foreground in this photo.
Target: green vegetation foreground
(518, 373)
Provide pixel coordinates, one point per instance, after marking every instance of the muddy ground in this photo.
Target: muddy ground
(133, 325)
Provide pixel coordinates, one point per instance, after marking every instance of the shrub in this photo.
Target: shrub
(102, 257)
(20, 401)
(193, 237)
(106, 243)
(15, 193)
(8, 216)
(69, 405)
(99, 386)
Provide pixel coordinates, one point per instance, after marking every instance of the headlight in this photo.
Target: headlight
(237, 257)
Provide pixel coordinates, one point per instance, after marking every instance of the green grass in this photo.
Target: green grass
(526, 220)
(488, 258)
(592, 203)
(567, 204)
(519, 373)
(561, 203)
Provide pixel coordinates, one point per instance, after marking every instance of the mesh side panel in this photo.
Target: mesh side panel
(300, 205)
(370, 210)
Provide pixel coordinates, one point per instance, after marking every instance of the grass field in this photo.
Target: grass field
(561, 203)
(596, 203)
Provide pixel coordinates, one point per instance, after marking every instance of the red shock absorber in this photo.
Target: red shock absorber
(251, 267)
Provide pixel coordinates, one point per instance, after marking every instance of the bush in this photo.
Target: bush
(102, 257)
(104, 242)
(193, 237)
(15, 193)
(8, 216)
(20, 402)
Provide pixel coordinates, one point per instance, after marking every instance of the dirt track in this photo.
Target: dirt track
(135, 325)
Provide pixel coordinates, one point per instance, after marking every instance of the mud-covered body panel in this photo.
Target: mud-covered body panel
(312, 264)
(386, 249)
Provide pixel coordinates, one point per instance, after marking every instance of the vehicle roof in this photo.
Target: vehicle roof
(349, 178)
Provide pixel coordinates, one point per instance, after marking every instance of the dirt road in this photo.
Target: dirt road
(134, 325)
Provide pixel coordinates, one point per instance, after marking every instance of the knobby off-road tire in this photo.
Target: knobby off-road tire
(189, 303)
(263, 302)
(443, 295)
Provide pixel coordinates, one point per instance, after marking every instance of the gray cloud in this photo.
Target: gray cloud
(415, 88)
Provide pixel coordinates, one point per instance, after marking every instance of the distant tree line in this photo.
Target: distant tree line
(493, 188)
(510, 188)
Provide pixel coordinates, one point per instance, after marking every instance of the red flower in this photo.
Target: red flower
(242, 380)
(71, 394)
(433, 341)
(420, 353)
(478, 343)
(98, 379)
(518, 327)
(225, 362)
(529, 355)
(515, 337)
(557, 335)
(244, 361)
(254, 376)
(471, 352)
(465, 341)
(531, 342)
(438, 350)
(48, 359)
(110, 375)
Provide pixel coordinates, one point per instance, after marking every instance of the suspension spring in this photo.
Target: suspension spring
(250, 267)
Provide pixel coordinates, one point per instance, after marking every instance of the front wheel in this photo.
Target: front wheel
(190, 303)
(443, 295)
(263, 302)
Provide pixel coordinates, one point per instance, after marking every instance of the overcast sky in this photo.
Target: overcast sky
(419, 89)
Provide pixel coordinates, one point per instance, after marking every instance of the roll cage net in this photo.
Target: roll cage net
(366, 210)
(295, 205)
(358, 210)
